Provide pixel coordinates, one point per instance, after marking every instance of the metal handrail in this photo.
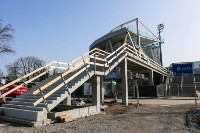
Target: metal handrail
(32, 79)
(83, 61)
(69, 70)
(85, 58)
(25, 76)
(26, 82)
(120, 26)
(116, 53)
(38, 76)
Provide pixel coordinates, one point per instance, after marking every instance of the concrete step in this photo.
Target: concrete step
(37, 96)
(70, 84)
(24, 114)
(24, 107)
(32, 100)
(60, 91)
(29, 103)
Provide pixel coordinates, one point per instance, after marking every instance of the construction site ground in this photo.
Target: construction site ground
(152, 116)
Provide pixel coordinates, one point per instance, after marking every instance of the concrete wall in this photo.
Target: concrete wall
(75, 113)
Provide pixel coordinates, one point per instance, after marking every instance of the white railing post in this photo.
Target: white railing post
(195, 93)
(95, 64)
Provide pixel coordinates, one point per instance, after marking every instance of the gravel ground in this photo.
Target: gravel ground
(119, 119)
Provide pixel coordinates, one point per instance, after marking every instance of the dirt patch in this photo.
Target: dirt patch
(120, 119)
(117, 108)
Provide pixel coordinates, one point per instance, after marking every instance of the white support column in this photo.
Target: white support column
(151, 82)
(67, 101)
(96, 92)
(102, 90)
(124, 82)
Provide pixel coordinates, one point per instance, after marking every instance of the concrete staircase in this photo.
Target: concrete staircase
(97, 62)
(22, 107)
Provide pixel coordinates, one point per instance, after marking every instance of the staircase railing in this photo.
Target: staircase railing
(95, 58)
(77, 63)
(47, 68)
(106, 59)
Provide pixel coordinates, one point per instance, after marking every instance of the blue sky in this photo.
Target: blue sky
(63, 29)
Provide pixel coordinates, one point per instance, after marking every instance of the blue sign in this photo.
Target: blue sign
(182, 69)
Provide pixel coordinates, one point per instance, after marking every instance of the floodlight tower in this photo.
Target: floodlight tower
(160, 29)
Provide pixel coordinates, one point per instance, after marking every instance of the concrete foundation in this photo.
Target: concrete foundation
(75, 113)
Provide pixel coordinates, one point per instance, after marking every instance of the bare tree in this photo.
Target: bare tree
(6, 38)
(23, 66)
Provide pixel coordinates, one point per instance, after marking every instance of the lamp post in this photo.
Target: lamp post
(160, 29)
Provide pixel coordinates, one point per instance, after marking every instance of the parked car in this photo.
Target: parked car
(19, 91)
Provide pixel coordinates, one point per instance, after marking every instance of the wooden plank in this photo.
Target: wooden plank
(64, 118)
(57, 88)
(22, 77)
(10, 91)
(58, 78)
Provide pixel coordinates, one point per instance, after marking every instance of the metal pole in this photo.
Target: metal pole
(161, 62)
(138, 36)
(133, 88)
(138, 104)
(182, 83)
(195, 89)
(178, 90)
(160, 29)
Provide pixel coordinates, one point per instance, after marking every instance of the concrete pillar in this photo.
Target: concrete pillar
(102, 90)
(124, 80)
(96, 92)
(151, 82)
(67, 101)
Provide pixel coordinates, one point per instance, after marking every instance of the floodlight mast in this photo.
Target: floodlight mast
(160, 29)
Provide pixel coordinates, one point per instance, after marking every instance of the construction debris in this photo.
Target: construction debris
(64, 118)
(104, 107)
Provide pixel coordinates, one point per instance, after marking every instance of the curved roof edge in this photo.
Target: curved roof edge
(107, 36)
